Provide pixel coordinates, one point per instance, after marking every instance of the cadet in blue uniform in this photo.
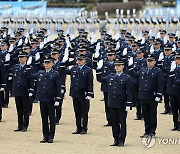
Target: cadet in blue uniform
(165, 67)
(49, 95)
(139, 62)
(22, 85)
(150, 93)
(81, 91)
(59, 67)
(119, 101)
(2, 85)
(107, 68)
(173, 89)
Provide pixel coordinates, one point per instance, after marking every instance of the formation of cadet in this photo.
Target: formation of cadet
(132, 73)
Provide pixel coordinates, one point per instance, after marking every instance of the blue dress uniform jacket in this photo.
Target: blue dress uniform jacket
(106, 70)
(150, 84)
(48, 86)
(22, 82)
(138, 64)
(119, 90)
(165, 67)
(60, 67)
(2, 75)
(173, 85)
(81, 82)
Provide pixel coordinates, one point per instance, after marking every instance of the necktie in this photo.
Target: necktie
(148, 71)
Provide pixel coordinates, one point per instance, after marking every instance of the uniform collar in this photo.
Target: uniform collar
(81, 67)
(47, 71)
(119, 74)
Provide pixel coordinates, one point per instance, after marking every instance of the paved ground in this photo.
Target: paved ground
(97, 140)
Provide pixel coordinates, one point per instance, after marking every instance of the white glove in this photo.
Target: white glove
(41, 45)
(93, 36)
(130, 61)
(96, 54)
(128, 108)
(62, 91)
(7, 58)
(100, 64)
(30, 94)
(9, 31)
(98, 46)
(37, 56)
(9, 78)
(116, 37)
(173, 66)
(161, 56)
(1, 89)
(65, 58)
(117, 45)
(68, 43)
(165, 40)
(20, 42)
(88, 97)
(31, 31)
(56, 104)
(4, 35)
(125, 51)
(29, 61)
(157, 99)
(26, 40)
(152, 49)
(143, 41)
(174, 47)
(11, 48)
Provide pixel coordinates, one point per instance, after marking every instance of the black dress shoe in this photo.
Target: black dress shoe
(24, 130)
(138, 118)
(50, 141)
(165, 112)
(5, 106)
(144, 135)
(121, 144)
(175, 129)
(18, 129)
(57, 123)
(77, 132)
(108, 124)
(115, 144)
(44, 140)
(83, 132)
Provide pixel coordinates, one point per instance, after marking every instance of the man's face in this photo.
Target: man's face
(48, 65)
(162, 35)
(178, 44)
(171, 39)
(119, 68)
(151, 63)
(55, 56)
(151, 41)
(82, 52)
(167, 52)
(4, 47)
(22, 60)
(140, 55)
(134, 47)
(81, 62)
(157, 46)
(111, 57)
(27, 50)
(178, 61)
(33, 45)
(145, 36)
